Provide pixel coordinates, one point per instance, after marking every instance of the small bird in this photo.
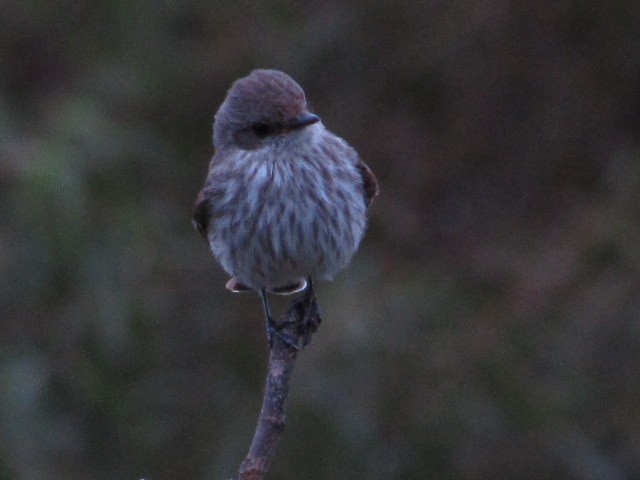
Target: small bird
(285, 200)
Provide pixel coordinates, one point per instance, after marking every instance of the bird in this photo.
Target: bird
(284, 200)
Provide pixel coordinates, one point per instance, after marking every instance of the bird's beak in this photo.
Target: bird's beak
(303, 120)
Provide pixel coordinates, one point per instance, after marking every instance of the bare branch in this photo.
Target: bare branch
(298, 324)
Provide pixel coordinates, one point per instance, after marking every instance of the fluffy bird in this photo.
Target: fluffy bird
(285, 200)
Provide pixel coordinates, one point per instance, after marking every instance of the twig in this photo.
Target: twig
(301, 320)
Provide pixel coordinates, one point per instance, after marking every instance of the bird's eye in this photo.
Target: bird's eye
(261, 129)
(255, 135)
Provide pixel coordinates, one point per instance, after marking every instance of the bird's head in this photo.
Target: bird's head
(264, 105)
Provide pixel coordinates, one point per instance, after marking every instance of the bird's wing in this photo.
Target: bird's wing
(202, 213)
(369, 182)
(203, 209)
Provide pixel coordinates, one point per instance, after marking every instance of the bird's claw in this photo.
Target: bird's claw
(275, 330)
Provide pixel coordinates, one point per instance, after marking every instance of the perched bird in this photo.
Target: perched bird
(285, 200)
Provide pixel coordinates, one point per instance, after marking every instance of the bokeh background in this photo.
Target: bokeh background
(489, 327)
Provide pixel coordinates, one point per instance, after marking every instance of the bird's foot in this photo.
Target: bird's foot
(275, 330)
(310, 314)
(300, 323)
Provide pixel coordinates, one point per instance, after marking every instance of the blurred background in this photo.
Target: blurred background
(488, 328)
